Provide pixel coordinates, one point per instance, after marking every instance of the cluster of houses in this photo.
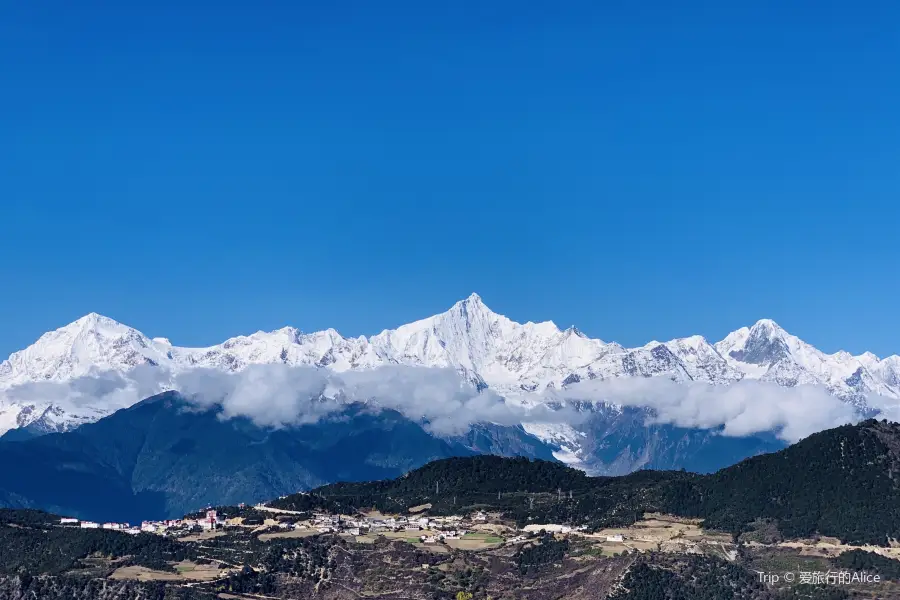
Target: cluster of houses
(94, 525)
(210, 521)
(553, 528)
(446, 527)
(429, 530)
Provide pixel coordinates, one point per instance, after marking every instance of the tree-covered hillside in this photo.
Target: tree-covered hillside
(842, 482)
(33, 542)
(162, 458)
(523, 489)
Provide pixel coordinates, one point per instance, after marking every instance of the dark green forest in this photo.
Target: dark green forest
(860, 560)
(547, 551)
(841, 482)
(32, 542)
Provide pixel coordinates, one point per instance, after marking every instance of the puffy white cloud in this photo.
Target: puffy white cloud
(744, 408)
(104, 389)
(277, 395)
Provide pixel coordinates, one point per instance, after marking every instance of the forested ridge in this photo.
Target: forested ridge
(33, 542)
(841, 482)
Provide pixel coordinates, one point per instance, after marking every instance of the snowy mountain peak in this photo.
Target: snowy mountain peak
(767, 327)
(90, 326)
(89, 344)
(763, 343)
(868, 358)
(734, 340)
(91, 317)
(472, 309)
(485, 347)
(572, 330)
(694, 341)
(93, 321)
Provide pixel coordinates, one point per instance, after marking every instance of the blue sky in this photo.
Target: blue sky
(200, 170)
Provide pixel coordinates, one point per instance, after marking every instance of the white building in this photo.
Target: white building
(90, 525)
(67, 521)
(615, 538)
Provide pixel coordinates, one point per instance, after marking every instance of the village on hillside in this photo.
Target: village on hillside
(472, 531)
(476, 530)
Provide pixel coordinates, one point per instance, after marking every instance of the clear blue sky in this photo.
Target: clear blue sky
(640, 169)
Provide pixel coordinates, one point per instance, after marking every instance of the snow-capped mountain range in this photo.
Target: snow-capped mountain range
(489, 349)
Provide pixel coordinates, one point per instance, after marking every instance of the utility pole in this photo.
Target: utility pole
(498, 494)
(437, 488)
(559, 494)
(570, 494)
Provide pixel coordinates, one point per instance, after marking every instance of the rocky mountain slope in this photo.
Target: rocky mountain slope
(487, 348)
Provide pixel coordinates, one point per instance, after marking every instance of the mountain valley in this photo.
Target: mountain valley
(486, 527)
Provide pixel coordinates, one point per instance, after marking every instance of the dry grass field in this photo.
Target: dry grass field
(476, 541)
(185, 571)
(659, 533)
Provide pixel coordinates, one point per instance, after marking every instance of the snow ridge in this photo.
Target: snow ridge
(489, 349)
